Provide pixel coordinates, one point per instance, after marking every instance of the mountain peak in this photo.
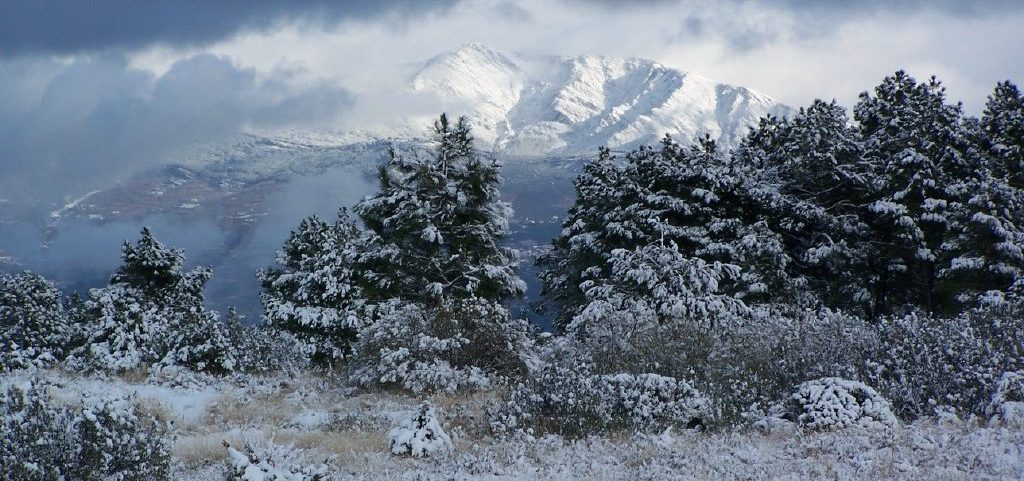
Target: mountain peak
(469, 72)
(541, 104)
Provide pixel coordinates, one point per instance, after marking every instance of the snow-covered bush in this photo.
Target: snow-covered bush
(561, 398)
(1007, 404)
(264, 349)
(124, 332)
(459, 345)
(568, 399)
(656, 311)
(271, 462)
(756, 362)
(420, 436)
(34, 327)
(649, 402)
(119, 440)
(104, 440)
(835, 403)
(922, 363)
(130, 332)
(200, 342)
(36, 436)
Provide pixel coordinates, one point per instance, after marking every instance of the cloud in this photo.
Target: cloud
(957, 7)
(69, 127)
(819, 7)
(72, 26)
(794, 50)
(71, 123)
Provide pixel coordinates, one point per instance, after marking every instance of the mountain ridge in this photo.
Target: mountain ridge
(557, 105)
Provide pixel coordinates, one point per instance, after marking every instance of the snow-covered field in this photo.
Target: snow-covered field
(346, 431)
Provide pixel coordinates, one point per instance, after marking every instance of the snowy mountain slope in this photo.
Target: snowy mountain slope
(546, 105)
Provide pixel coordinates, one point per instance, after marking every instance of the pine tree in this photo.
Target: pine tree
(923, 164)
(656, 305)
(589, 234)
(709, 207)
(201, 342)
(987, 243)
(439, 324)
(1003, 126)
(137, 319)
(814, 164)
(321, 290)
(985, 246)
(34, 327)
(442, 215)
(155, 271)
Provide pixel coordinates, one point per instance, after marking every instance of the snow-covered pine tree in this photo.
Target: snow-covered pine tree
(320, 291)
(439, 324)
(201, 342)
(695, 197)
(137, 319)
(714, 209)
(581, 252)
(34, 327)
(923, 163)
(442, 216)
(156, 272)
(814, 162)
(987, 243)
(1003, 126)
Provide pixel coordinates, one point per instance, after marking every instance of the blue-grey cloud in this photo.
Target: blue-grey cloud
(987, 7)
(67, 128)
(820, 6)
(72, 26)
(735, 23)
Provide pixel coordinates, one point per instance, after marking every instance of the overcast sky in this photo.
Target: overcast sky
(91, 93)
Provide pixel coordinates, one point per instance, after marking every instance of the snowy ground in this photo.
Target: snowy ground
(348, 431)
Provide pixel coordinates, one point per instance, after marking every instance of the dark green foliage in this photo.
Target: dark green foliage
(156, 270)
(1003, 127)
(910, 208)
(814, 162)
(694, 198)
(441, 216)
(923, 165)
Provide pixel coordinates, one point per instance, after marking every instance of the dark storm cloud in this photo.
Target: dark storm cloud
(67, 128)
(72, 26)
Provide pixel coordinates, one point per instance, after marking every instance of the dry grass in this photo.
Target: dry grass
(249, 411)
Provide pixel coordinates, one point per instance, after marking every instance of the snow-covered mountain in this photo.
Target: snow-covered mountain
(548, 105)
